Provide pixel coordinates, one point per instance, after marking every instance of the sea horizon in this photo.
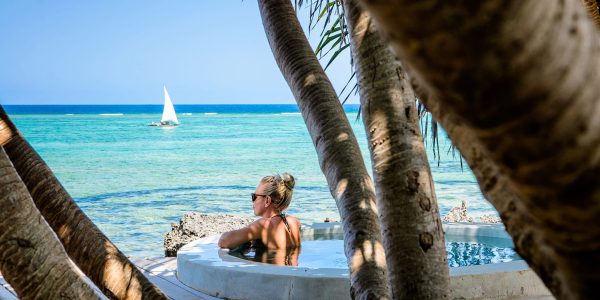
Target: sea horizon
(156, 108)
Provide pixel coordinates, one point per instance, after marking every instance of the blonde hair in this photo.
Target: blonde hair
(279, 187)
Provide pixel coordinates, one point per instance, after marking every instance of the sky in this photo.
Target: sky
(123, 52)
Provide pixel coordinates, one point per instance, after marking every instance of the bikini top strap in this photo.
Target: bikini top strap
(284, 219)
(287, 226)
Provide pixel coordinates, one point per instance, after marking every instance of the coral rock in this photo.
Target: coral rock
(458, 214)
(193, 226)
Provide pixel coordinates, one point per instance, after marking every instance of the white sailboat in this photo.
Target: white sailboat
(169, 118)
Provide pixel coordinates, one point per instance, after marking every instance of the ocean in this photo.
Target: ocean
(134, 180)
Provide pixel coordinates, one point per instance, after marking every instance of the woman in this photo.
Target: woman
(274, 230)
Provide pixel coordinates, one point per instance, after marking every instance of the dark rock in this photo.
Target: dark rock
(193, 226)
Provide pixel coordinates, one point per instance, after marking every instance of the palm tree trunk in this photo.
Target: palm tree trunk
(410, 221)
(89, 248)
(339, 155)
(31, 258)
(592, 8)
(519, 75)
(495, 188)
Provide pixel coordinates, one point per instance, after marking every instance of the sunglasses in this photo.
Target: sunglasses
(254, 196)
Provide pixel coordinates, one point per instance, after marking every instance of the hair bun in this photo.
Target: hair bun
(288, 180)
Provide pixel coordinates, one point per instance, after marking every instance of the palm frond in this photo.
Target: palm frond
(329, 14)
(329, 38)
(347, 83)
(335, 54)
(334, 41)
(454, 151)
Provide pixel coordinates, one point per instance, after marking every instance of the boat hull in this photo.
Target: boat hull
(163, 125)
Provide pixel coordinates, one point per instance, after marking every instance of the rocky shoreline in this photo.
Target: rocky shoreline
(194, 225)
(461, 214)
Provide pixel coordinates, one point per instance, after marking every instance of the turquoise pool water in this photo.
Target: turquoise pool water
(461, 251)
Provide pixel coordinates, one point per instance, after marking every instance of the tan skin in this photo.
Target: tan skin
(280, 257)
(270, 228)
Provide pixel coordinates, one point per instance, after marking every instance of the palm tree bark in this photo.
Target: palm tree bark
(89, 248)
(593, 11)
(339, 155)
(519, 76)
(496, 190)
(31, 258)
(410, 222)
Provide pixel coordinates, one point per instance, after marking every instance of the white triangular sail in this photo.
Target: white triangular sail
(168, 115)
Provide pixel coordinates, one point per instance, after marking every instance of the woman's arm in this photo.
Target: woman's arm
(234, 238)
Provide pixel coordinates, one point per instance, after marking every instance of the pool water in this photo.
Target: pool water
(329, 253)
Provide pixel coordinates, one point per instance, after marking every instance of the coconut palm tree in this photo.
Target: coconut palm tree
(408, 210)
(89, 248)
(523, 88)
(31, 258)
(496, 190)
(339, 155)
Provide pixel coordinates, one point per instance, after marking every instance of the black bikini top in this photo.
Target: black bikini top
(283, 218)
(288, 229)
(259, 243)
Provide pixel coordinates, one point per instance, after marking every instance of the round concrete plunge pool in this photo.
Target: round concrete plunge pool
(482, 266)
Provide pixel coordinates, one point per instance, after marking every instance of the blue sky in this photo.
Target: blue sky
(122, 52)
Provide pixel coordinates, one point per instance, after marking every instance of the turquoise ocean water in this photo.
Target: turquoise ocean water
(133, 180)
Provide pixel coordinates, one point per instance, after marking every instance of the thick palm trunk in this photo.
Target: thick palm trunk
(89, 248)
(410, 221)
(495, 188)
(592, 8)
(521, 76)
(336, 145)
(31, 258)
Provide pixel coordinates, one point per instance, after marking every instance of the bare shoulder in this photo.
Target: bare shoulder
(257, 226)
(260, 223)
(234, 238)
(293, 220)
(295, 229)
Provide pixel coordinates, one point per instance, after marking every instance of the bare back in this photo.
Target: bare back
(281, 232)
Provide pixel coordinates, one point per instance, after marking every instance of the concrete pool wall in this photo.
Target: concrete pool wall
(203, 266)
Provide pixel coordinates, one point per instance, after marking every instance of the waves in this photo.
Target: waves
(115, 114)
(130, 194)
